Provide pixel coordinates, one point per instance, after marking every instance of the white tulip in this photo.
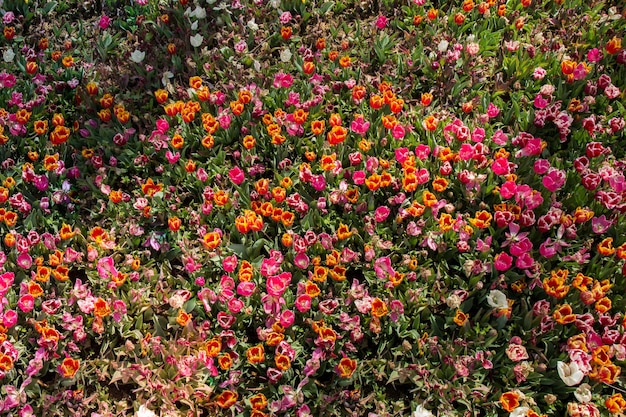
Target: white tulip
(583, 393)
(422, 412)
(8, 55)
(497, 299)
(196, 40)
(519, 412)
(570, 374)
(285, 55)
(137, 56)
(145, 412)
(252, 25)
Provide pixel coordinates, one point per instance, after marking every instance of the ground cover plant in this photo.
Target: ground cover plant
(309, 208)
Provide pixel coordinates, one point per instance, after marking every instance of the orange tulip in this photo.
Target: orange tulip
(346, 367)
(509, 401)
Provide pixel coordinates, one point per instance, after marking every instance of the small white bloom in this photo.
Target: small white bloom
(165, 79)
(613, 14)
(285, 55)
(194, 25)
(137, 56)
(570, 374)
(453, 301)
(199, 12)
(519, 412)
(145, 412)
(196, 40)
(583, 393)
(274, 3)
(443, 46)
(497, 299)
(252, 25)
(8, 55)
(422, 412)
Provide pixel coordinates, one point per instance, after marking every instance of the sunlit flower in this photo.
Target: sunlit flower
(570, 373)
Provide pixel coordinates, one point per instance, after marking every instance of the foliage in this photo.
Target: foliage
(312, 208)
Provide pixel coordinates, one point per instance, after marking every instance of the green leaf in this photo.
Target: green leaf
(239, 249)
(50, 6)
(190, 305)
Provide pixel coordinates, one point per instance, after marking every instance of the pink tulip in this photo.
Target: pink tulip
(246, 288)
(236, 175)
(502, 261)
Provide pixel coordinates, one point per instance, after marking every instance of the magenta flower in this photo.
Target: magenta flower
(162, 126)
(9, 318)
(398, 131)
(26, 303)
(246, 288)
(541, 166)
(401, 154)
(508, 189)
(492, 111)
(225, 320)
(467, 152)
(478, 135)
(499, 138)
(381, 213)
(600, 224)
(287, 318)
(104, 22)
(318, 182)
(172, 158)
(106, 267)
(235, 305)
(502, 261)
(423, 175)
(524, 245)
(301, 260)
(285, 17)
(224, 120)
(229, 263)
(358, 177)
(359, 125)
(383, 268)
(236, 175)
(282, 80)
(277, 284)
(500, 166)
(422, 151)
(554, 180)
(381, 22)
(540, 102)
(594, 55)
(525, 261)
(303, 303)
(24, 260)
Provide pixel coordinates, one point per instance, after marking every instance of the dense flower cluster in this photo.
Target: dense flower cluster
(246, 211)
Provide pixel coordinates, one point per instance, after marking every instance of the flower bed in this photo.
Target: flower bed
(294, 208)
